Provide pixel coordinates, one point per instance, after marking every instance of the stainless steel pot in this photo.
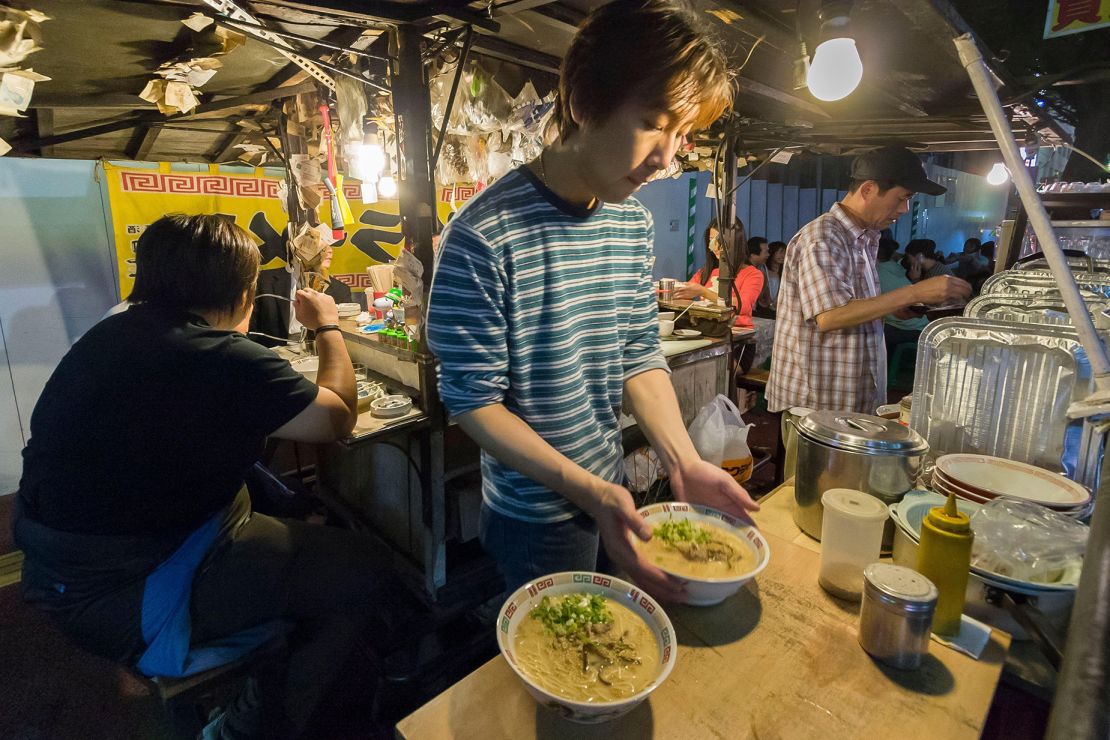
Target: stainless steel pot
(846, 450)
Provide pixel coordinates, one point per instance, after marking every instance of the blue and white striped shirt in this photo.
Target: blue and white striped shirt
(547, 309)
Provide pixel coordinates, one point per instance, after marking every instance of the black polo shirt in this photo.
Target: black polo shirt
(150, 423)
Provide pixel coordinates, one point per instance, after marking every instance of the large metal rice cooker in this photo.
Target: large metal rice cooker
(838, 449)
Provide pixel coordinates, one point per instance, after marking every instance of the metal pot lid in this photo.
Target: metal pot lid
(862, 433)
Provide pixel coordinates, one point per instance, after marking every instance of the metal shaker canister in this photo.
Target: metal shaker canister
(846, 450)
(666, 289)
(896, 614)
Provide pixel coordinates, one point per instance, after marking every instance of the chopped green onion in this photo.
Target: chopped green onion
(572, 615)
(683, 530)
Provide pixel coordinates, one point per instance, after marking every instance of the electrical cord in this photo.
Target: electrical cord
(1084, 154)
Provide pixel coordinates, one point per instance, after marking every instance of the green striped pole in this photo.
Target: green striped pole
(691, 225)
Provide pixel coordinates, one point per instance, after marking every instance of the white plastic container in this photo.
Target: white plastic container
(851, 539)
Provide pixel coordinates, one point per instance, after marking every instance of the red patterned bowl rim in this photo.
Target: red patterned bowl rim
(746, 532)
(1078, 491)
(629, 595)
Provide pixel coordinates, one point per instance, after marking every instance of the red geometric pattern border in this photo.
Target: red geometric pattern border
(185, 184)
(354, 279)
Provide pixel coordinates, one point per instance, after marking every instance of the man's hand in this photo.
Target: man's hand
(689, 291)
(701, 482)
(315, 309)
(618, 523)
(942, 290)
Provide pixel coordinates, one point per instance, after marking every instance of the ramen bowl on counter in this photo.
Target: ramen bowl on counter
(587, 645)
(714, 553)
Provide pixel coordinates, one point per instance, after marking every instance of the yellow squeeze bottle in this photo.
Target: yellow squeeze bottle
(944, 557)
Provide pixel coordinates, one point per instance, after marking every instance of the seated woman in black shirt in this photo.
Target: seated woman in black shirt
(137, 530)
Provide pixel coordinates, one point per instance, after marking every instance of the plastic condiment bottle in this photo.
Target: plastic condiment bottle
(944, 557)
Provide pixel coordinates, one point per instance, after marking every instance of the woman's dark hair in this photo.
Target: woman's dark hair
(194, 263)
(753, 245)
(711, 261)
(887, 248)
(926, 247)
(987, 250)
(772, 249)
(656, 51)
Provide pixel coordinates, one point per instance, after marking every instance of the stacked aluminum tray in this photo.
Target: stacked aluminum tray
(1041, 282)
(1046, 308)
(1003, 388)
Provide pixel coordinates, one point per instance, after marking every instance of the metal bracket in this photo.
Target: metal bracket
(230, 9)
(1024, 611)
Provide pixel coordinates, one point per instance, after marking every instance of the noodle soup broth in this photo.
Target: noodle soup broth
(627, 656)
(713, 552)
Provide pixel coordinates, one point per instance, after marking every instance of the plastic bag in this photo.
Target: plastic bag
(721, 437)
(1028, 542)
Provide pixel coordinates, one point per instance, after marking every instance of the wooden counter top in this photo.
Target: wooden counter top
(779, 659)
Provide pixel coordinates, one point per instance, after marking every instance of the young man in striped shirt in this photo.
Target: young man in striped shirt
(543, 315)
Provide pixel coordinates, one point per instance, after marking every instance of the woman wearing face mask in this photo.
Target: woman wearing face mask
(747, 285)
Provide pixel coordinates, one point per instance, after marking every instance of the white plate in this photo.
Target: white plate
(686, 333)
(1000, 477)
(911, 510)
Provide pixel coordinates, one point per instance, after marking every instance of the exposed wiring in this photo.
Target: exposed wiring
(1084, 154)
(758, 41)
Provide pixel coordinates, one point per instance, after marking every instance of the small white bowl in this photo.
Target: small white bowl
(666, 327)
(666, 315)
(524, 599)
(390, 407)
(307, 366)
(712, 591)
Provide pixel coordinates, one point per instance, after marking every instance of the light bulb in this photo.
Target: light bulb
(373, 156)
(998, 174)
(387, 187)
(369, 193)
(836, 70)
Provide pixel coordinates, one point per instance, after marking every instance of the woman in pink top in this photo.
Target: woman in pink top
(747, 285)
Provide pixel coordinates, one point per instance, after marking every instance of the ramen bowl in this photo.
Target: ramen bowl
(521, 603)
(710, 591)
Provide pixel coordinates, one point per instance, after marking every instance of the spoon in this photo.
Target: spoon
(676, 318)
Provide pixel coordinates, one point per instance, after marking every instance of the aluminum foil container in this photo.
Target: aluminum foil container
(1046, 308)
(1041, 282)
(1003, 388)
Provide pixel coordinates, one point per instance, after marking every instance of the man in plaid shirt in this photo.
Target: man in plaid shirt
(829, 351)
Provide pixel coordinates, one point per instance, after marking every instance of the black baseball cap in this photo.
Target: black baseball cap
(898, 165)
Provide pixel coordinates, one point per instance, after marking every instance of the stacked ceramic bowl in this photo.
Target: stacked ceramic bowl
(348, 310)
(981, 479)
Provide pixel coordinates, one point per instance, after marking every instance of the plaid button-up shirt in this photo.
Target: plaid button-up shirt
(830, 262)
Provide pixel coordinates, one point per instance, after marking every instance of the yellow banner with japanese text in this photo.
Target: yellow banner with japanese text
(140, 196)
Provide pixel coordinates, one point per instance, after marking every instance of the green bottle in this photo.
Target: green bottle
(944, 557)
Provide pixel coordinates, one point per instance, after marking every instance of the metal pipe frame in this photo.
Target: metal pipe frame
(982, 81)
(1081, 709)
